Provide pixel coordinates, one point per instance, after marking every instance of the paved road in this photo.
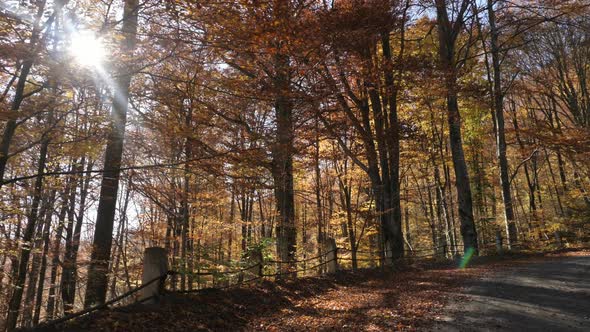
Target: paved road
(552, 295)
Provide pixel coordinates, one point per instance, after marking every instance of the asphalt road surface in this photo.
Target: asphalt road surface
(551, 295)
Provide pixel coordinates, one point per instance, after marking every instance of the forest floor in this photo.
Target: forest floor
(494, 292)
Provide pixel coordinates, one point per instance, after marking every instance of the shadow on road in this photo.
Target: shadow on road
(552, 295)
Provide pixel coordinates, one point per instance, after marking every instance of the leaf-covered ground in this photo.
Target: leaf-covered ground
(406, 299)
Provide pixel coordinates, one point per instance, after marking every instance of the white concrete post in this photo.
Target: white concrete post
(558, 239)
(256, 258)
(155, 264)
(388, 254)
(499, 248)
(331, 256)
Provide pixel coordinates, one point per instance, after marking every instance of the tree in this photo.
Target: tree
(498, 92)
(448, 32)
(33, 47)
(365, 92)
(103, 233)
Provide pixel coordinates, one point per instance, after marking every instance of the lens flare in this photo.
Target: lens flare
(467, 257)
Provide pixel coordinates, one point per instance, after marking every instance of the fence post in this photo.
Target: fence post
(441, 248)
(257, 258)
(558, 239)
(331, 256)
(499, 248)
(223, 280)
(155, 264)
(388, 254)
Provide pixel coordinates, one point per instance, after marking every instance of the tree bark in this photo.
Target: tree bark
(512, 235)
(19, 284)
(393, 144)
(55, 251)
(448, 33)
(46, 232)
(68, 278)
(103, 233)
(19, 93)
(318, 196)
(35, 268)
(282, 154)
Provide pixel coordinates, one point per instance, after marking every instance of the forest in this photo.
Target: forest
(226, 130)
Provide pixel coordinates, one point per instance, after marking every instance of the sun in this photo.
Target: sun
(86, 49)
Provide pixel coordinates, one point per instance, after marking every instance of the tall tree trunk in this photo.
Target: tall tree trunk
(346, 201)
(19, 284)
(560, 211)
(263, 227)
(562, 176)
(120, 239)
(34, 273)
(530, 182)
(46, 232)
(68, 278)
(243, 206)
(512, 235)
(184, 225)
(282, 163)
(447, 238)
(318, 195)
(448, 33)
(14, 257)
(186, 215)
(19, 93)
(103, 233)
(393, 145)
(232, 213)
(55, 251)
(71, 255)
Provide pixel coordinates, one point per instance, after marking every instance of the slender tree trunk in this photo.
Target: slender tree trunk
(346, 199)
(183, 249)
(14, 259)
(442, 207)
(512, 235)
(318, 195)
(263, 226)
(232, 212)
(117, 259)
(561, 166)
(579, 184)
(530, 183)
(350, 226)
(186, 215)
(68, 278)
(560, 211)
(19, 284)
(45, 252)
(34, 273)
(55, 251)
(174, 229)
(244, 220)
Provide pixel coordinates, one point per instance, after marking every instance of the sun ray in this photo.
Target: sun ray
(87, 50)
